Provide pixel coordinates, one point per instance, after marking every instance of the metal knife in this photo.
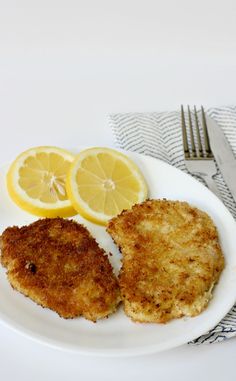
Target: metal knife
(223, 154)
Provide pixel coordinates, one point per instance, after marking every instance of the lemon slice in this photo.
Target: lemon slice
(36, 181)
(102, 182)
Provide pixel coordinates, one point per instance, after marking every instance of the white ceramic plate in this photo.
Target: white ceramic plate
(117, 335)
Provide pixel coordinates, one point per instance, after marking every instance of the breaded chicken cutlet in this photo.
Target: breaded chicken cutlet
(59, 265)
(171, 260)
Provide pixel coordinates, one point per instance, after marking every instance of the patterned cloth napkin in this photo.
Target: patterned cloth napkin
(159, 135)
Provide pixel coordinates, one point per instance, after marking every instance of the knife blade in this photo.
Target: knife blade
(223, 154)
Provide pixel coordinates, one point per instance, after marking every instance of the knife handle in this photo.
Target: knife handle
(212, 186)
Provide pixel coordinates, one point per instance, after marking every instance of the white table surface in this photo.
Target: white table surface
(64, 65)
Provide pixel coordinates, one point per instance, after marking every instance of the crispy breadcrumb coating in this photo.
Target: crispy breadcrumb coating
(59, 265)
(171, 259)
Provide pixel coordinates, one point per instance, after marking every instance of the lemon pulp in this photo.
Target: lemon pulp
(36, 181)
(102, 182)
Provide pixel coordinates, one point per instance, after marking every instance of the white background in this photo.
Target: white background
(64, 65)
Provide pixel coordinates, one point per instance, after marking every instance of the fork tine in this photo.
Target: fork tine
(206, 138)
(184, 133)
(198, 133)
(194, 152)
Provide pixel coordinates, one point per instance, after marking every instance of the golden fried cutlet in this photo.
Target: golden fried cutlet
(59, 265)
(171, 260)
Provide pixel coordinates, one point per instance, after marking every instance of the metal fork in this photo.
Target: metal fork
(199, 159)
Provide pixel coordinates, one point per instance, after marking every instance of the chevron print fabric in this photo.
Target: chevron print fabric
(159, 135)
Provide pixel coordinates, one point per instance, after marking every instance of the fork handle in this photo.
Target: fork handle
(212, 186)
